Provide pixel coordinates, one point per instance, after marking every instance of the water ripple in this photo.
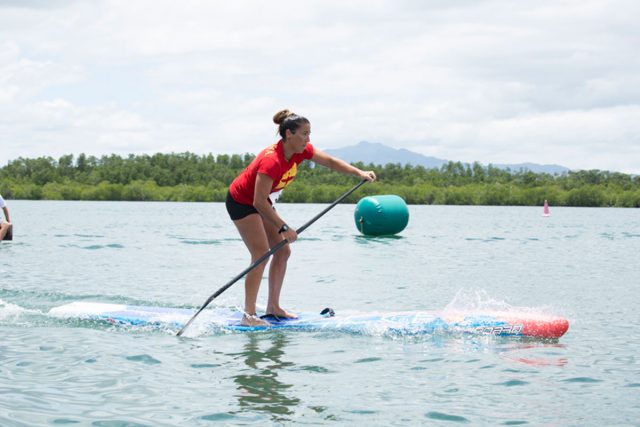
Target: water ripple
(144, 358)
(513, 383)
(440, 416)
(584, 380)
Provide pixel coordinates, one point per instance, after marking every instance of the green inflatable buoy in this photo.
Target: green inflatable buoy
(381, 215)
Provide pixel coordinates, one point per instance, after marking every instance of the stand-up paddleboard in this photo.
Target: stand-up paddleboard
(516, 324)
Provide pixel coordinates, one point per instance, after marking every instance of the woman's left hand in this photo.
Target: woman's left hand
(368, 175)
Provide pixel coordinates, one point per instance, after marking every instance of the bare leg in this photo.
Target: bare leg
(253, 234)
(277, 271)
(4, 228)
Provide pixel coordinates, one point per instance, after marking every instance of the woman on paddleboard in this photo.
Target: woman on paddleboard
(5, 224)
(259, 224)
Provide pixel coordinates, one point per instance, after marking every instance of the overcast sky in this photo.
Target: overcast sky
(489, 81)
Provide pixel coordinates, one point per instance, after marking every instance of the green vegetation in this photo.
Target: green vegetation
(194, 178)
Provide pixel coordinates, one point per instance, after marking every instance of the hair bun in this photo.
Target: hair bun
(279, 117)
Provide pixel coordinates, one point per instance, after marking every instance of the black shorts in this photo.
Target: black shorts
(238, 210)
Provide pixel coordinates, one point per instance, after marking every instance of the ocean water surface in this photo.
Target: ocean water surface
(579, 263)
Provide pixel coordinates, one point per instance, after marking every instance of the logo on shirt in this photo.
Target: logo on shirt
(287, 177)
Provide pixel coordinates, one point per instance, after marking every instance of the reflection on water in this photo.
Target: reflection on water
(259, 387)
(527, 351)
(536, 353)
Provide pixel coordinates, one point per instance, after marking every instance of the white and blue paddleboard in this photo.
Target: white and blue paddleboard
(518, 324)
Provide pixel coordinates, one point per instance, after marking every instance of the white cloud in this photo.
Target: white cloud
(577, 139)
(493, 81)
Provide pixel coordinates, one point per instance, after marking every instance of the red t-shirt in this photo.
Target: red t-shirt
(269, 162)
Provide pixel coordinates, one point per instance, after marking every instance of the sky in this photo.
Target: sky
(496, 81)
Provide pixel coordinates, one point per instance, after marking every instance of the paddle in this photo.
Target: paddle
(267, 255)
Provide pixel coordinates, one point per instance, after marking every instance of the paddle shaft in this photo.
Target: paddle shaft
(264, 257)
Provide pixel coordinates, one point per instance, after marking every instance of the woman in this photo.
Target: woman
(259, 224)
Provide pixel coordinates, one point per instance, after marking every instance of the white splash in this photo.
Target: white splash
(8, 310)
(477, 301)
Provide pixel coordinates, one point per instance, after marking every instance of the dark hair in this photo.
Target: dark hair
(285, 119)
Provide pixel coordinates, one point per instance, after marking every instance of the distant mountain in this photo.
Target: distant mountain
(379, 154)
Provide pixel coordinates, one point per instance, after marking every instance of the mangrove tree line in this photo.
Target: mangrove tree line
(191, 177)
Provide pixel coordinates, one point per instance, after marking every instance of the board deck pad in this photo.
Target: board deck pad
(517, 324)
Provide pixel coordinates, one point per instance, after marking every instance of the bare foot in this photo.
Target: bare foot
(281, 313)
(253, 320)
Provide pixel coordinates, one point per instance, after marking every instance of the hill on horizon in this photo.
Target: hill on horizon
(380, 154)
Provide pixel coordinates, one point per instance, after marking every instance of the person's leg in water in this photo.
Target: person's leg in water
(253, 235)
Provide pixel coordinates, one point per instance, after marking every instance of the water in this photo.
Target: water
(579, 263)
